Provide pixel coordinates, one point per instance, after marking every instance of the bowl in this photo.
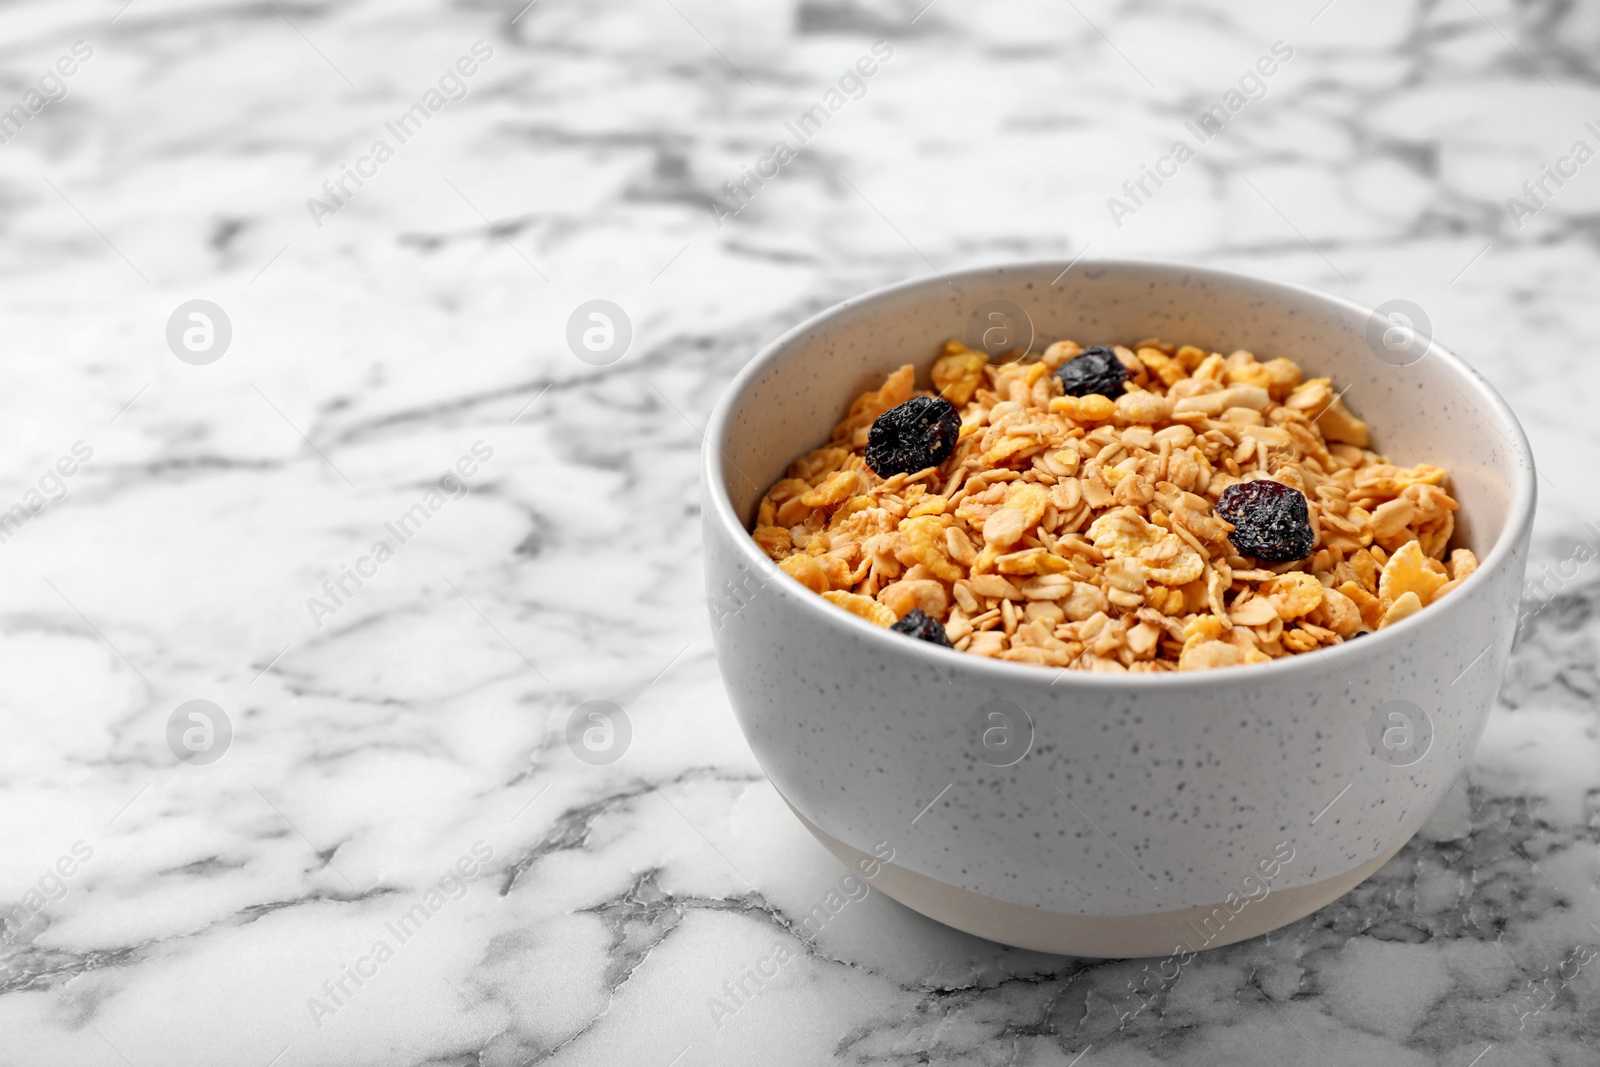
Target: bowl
(1113, 815)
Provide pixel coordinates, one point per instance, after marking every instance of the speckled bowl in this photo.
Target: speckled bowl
(1103, 815)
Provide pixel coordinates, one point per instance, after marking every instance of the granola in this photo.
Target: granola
(1081, 531)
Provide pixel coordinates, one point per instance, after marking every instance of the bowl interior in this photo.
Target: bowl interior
(1434, 410)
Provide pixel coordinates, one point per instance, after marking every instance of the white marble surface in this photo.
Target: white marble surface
(427, 715)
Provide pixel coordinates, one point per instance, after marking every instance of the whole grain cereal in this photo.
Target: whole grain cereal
(1073, 522)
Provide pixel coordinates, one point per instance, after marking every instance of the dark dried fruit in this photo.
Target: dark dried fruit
(918, 434)
(918, 625)
(1270, 520)
(1095, 370)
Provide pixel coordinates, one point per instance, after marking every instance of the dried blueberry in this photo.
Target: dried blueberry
(918, 434)
(1095, 370)
(1270, 520)
(918, 625)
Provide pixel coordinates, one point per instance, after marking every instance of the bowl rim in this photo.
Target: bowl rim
(882, 641)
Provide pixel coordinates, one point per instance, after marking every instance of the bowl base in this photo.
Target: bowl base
(1163, 933)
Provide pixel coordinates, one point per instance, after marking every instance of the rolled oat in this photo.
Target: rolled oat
(1081, 531)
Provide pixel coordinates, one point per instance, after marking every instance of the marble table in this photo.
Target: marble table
(379, 848)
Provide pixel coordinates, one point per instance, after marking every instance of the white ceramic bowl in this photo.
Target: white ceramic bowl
(1098, 815)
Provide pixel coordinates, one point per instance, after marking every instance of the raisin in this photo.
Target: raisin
(1270, 520)
(1094, 370)
(918, 625)
(918, 434)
